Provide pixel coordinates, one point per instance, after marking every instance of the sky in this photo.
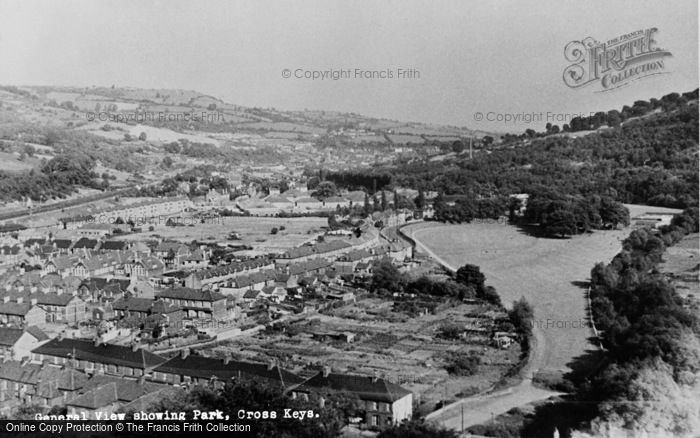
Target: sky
(494, 58)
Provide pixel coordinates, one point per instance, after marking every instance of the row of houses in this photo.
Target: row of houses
(137, 212)
(89, 376)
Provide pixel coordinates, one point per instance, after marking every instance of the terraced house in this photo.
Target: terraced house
(196, 303)
(20, 313)
(61, 307)
(194, 369)
(220, 274)
(385, 403)
(97, 358)
(23, 383)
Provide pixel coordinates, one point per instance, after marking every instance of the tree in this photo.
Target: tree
(417, 429)
(167, 162)
(514, 206)
(142, 136)
(522, 316)
(420, 199)
(387, 277)
(384, 202)
(560, 223)
(463, 364)
(325, 189)
(470, 275)
(451, 331)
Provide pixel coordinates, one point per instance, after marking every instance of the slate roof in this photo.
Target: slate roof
(133, 304)
(49, 379)
(365, 387)
(206, 367)
(104, 353)
(96, 283)
(309, 265)
(114, 245)
(13, 308)
(10, 336)
(37, 333)
(62, 243)
(186, 293)
(53, 299)
(85, 243)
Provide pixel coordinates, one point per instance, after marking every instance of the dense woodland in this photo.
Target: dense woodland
(647, 155)
(651, 159)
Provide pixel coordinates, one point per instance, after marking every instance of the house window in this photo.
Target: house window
(372, 406)
(375, 420)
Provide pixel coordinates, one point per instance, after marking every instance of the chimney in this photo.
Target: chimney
(60, 337)
(59, 290)
(326, 371)
(33, 301)
(6, 299)
(184, 353)
(97, 341)
(227, 358)
(375, 377)
(271, 364)
(25, 361)
(134, 347)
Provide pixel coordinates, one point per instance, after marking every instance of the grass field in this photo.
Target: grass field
(550, 273)
(254, 231)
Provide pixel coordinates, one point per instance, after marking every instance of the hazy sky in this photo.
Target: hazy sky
(486, 56)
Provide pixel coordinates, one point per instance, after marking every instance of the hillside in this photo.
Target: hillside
(135, 137)
(649, 158)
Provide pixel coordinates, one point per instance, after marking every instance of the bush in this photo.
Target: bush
(463, 364)
(274, 230)
(451, 331)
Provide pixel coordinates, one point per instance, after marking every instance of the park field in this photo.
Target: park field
(550, 273)
(254, 231)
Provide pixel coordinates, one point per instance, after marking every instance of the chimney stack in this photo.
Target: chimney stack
(6, 299)
(134, 347)
(271, 364)
(227, 359)
(184, 353)
(326, 371)
(97, 341)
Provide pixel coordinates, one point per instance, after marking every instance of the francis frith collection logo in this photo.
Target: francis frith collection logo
(616, 62)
